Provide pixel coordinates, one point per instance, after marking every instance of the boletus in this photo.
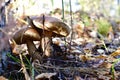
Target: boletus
(26, 36)
(52, 27)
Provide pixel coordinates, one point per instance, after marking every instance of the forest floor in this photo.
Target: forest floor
(86, 55)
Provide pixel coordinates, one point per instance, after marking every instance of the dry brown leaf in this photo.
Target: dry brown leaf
(79, 29)
(116, 53)
(17, 49)
(106, 65)
(77, 78)
(44, 76)
(111, 33)
(84, 58)
(3, 78)
(102, 77)
(110, 58)
(101, 57)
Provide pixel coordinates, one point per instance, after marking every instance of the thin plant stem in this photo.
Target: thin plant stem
(113, 68)
(63, 14)
(33, 71)
(71, 21)
(102, 40)
(44, 34)
(63, 18)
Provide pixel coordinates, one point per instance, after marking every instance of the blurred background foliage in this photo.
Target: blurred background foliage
(110, 8)
(103, 26)
(88, 11)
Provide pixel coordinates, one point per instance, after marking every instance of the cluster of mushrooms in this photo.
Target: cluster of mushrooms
(42, 29)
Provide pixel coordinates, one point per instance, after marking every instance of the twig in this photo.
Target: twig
(71, 18)
(27, 77)
(63, 18)
(63, 11)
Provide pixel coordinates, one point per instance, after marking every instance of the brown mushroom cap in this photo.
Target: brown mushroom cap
(24, 34)
(54, 25)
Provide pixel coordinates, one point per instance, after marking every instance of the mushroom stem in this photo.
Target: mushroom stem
(46, 46)
(31, 47)
(33, 51)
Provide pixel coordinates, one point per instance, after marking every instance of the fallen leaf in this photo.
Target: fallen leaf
(116, 53)
(3, 78)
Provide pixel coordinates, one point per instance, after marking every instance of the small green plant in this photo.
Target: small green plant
(103, 27)
(27, 65)
(113, 68)
(85, 18)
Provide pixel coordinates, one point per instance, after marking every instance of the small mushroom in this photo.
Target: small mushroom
(26, 36)
(52, 27)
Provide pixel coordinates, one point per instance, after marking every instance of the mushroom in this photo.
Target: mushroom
(26, 36)
(52, 27)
